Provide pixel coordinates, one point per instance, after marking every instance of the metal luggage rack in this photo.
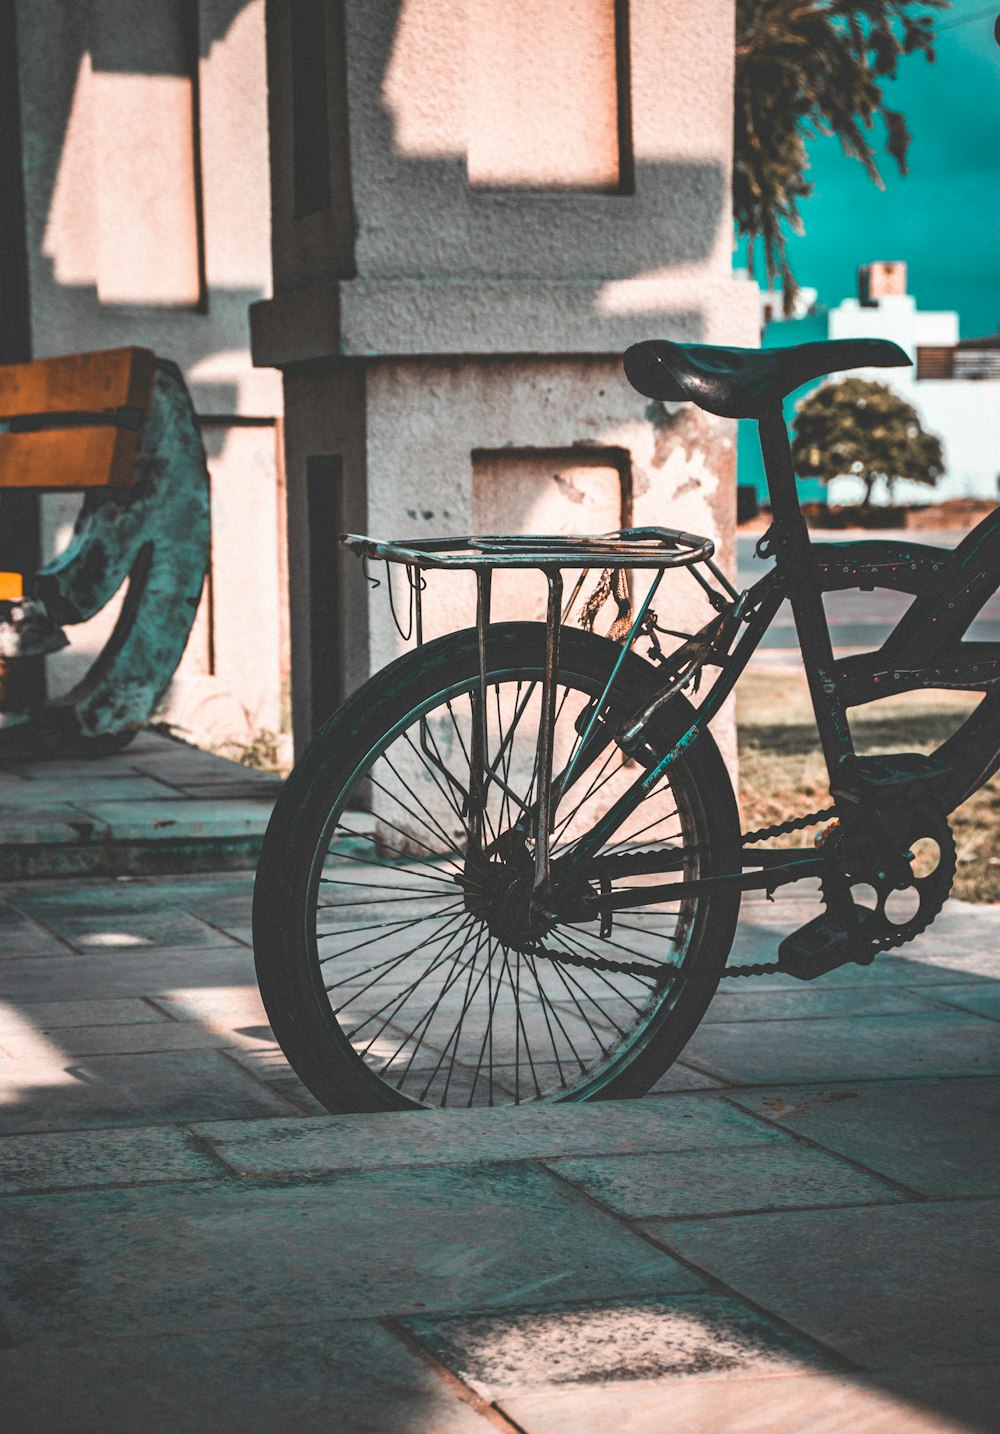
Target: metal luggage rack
(658, 549)
(629, 548)
(612, 554)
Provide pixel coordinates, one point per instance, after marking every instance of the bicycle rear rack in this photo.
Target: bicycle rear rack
(631, 548)
(657, 549)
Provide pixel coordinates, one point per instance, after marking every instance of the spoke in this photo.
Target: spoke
(410, 836)
(395, 962)
(595, 786)
(386, 967)
(520, 1030)
(380, 864)
(438, 761)
(456, 1033)
(388, 964)
(378, 886)
(360, 946)
(382, 900)
(546, 1005)
(603, 976)
(424, 1023)
(399, 998)
(467, 754)
(580, 932)
(488, 1034)
(565, 974)
(434, 824)
(558, 971)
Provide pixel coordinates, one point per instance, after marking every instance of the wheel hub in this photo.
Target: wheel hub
(501, 894)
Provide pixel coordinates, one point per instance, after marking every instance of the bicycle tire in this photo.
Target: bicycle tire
(338, 807)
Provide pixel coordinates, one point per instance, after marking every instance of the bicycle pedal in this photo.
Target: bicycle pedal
(823, 944)
(891, 776)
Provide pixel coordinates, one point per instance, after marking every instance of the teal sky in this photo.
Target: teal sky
(943, 218)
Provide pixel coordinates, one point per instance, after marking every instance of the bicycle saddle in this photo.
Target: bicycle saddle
(744, 383)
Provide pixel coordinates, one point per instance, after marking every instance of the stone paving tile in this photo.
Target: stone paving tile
(55, 1091)
(889, 969)
(745, 1002)
(223, 910)
(81, 791)
(882, 1286)
(717, 1182)
(20, 936)
(132, 971)
(70, 1159)
(53, 1015)
(335, 1377)
(220, 1008)
(845, 1048)
(938, 1138)
(111, 1039)
(698, 1336)
(93, 897)
(144, 821)
(48, 824)
(119, 930)
(227, 1255)
(683, 1077)
(238, 931)
(952, 1402)
(251, 785)
(338, 1142)
(983, 999)
(262, 1058)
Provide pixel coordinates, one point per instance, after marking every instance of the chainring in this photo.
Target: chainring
(881, 931)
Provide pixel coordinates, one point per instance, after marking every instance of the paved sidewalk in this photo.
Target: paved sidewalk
(796, 1232)
(157, 806)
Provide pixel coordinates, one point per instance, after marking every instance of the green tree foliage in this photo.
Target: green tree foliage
(805, 68)
(864, 429)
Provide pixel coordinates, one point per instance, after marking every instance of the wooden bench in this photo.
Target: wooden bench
(119, 427)
(71, 423)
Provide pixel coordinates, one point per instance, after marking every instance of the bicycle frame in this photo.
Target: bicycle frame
(923, 650)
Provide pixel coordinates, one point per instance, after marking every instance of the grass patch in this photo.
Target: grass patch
(782, 772)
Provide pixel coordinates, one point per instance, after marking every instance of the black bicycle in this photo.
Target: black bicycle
(510, 866)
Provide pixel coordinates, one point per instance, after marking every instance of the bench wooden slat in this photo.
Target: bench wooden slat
(56, 458)
(96, 383)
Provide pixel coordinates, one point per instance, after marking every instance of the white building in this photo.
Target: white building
(954, 385)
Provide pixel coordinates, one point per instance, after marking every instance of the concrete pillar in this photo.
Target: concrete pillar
(476, 208)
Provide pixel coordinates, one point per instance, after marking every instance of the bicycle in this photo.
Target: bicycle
(510, 866)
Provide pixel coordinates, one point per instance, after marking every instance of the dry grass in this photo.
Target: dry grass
(782, 772)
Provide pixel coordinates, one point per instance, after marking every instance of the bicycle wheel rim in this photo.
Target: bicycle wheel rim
(441, 1054)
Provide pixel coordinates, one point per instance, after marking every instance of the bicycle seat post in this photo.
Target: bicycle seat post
(795, 560)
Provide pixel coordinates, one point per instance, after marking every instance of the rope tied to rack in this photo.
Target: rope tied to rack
(612, 583)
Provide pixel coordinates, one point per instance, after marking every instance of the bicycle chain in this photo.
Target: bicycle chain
(641, 968)
(604, 963)
(757, 968)
(793, 824)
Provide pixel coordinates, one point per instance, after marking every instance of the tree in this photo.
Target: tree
(805, 68)
(864, 429)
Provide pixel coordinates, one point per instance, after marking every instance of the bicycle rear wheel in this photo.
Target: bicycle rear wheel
(390, 978)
